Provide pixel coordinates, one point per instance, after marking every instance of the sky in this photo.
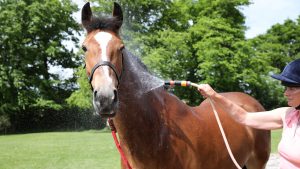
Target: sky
(260, 15)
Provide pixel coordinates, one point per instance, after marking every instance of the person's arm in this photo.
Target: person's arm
(262, 120)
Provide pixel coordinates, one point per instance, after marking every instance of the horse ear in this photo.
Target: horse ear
(117, 12)
(86, 15)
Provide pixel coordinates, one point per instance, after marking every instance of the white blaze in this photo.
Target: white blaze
(103, 39)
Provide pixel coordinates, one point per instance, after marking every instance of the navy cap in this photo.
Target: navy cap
(290, 76)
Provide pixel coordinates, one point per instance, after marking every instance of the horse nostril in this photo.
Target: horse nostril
(95, 93)
(115, 97)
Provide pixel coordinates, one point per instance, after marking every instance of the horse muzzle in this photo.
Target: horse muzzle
(105, 102)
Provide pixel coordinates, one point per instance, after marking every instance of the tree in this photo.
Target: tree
(280, 45)
(203, 41)
(32, 40)
(206, 49)
(83, 96)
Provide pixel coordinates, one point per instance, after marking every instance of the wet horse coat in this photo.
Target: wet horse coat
(156, 129)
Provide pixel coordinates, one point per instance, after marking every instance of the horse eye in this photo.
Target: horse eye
(84, 48)
(121, 47)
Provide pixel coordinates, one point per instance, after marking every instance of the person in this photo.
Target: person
(287, 118)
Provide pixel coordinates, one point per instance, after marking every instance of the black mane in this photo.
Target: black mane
(104, 23)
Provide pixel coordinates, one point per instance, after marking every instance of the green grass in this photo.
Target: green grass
(59, 150)
(276, 136)
(66, 150)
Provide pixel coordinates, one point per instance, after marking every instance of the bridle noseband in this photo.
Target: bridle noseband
(113, 67)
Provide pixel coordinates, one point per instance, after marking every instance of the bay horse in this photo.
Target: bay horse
(156, 129)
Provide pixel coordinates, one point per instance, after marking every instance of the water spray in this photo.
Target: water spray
(184, 83)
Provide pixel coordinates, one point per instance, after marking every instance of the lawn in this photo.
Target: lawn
(276, 136)
(66, 150)
(59, 150)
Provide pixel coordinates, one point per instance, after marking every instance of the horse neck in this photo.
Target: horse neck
(137, 82)
(141, 101)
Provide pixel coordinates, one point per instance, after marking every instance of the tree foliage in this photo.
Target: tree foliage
(279, 46)
(32, 40)
(83, 96)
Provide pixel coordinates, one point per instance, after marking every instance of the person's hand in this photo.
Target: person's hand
(206, 91)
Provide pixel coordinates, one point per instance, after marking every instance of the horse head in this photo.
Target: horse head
(103, 58)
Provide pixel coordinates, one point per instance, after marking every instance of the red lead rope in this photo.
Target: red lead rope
(114, 134)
